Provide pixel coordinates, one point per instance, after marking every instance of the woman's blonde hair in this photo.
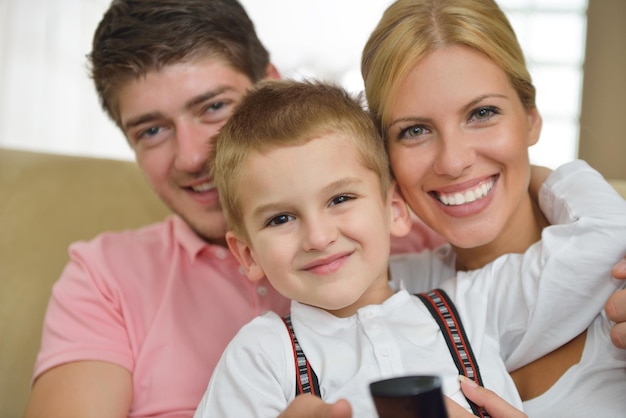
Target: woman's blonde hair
(411, 29)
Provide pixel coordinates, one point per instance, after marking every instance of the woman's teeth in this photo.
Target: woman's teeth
(455, 199)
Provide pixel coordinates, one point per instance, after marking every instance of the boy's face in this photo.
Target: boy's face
(169, 118)
(318, 225)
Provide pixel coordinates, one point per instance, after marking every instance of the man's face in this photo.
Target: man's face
(170, 117)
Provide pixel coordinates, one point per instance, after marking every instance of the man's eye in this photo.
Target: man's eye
(280, 219)
(149, 135)
(213, 107)
(152, 131)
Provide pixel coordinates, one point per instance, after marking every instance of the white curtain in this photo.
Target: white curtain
(48, 103)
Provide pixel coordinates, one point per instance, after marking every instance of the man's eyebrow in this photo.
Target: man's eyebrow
(194, 101)
(201, 98)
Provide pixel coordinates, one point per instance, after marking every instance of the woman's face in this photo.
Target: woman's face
(458, 145)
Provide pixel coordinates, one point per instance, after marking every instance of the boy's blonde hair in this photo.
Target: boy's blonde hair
(282, 113)
(411, 29)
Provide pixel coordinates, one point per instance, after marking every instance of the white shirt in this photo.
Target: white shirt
(518, 308)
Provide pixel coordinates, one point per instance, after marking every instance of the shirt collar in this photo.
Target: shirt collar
(191, 242)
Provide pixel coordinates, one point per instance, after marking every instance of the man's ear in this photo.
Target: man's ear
(245, 255)
(271, 72)
(400, 216)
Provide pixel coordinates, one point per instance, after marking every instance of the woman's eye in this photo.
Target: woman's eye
(414, 131)
(340, 199)
(280, 219)
(484, 113)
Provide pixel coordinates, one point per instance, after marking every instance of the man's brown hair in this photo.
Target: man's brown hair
(138, 36)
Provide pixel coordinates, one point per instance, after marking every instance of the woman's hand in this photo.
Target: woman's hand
(493, 404)
(616, 308)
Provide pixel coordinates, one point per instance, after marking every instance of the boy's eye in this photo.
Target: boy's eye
(280, 219)
(340, 199)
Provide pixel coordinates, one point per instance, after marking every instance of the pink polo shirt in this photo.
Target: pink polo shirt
(158, 301)
(162, 303)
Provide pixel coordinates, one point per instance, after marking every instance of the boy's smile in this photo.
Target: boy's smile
(318, 224)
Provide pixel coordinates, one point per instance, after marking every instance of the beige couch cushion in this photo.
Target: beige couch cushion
(47, 202)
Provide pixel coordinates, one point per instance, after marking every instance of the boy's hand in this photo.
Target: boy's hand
(493, 404)
(309, 406)
(616, 308)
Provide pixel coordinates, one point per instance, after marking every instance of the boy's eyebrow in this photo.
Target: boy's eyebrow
(342, 183)
(191, 103)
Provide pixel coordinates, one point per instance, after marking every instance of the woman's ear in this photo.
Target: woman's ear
(400, 216)
(244, 253)
(534, 126)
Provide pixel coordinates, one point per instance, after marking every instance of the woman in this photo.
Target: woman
(447, 83)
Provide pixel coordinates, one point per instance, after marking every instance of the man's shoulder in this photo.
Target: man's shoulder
(145, 239)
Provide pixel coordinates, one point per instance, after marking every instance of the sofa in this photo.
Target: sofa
(48, 201)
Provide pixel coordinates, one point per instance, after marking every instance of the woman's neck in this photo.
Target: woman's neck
(523, 231)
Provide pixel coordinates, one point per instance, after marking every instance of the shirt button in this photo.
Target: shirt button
(241, 271)
(261, 290)
(384, 351)
(220, 253)
(369, 315)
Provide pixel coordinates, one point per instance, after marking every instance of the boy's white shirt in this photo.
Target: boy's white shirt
(512, 309)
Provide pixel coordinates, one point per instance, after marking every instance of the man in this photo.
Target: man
(138, 319)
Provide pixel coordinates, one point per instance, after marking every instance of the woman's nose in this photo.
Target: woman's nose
(455, 154)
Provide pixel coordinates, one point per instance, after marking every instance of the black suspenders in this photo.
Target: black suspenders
(442, 309)
(306, 379)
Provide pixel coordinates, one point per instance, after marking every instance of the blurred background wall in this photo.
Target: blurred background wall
(47, 102)
(603, 115)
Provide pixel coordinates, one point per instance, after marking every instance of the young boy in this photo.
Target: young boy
(306, 190)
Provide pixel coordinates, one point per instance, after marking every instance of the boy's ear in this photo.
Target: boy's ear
(401, 221)
(245, 255)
